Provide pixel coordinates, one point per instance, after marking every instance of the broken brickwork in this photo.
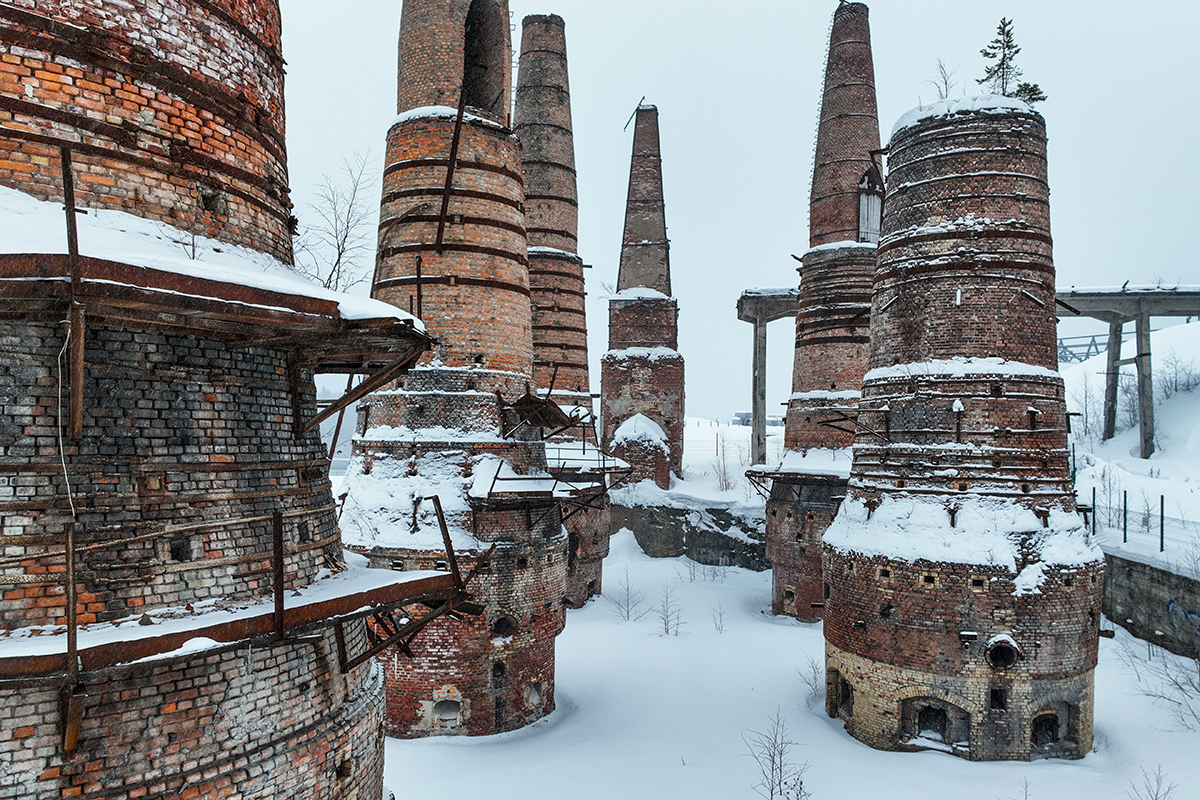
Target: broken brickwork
(962, 593)
(173, 109)
(453, 249)
(833, 315)
(642, 371)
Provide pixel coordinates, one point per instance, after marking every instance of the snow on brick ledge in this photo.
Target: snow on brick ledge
(845, 244)
(959, 367)
(642, 430)
(639, 293)
(987, 103)
(28, 225)
(652, 353)
(987, 532)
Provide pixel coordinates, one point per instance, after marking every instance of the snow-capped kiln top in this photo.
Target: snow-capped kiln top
(986, 103)
(640, 428)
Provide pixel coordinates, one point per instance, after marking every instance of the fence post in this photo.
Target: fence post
(1093, 510)
(1125, 516)
(1162, 518)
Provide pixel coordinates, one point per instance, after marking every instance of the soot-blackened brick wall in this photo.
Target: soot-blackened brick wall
(181, 432)
(235, 723)
(174, 111)
(799, 510)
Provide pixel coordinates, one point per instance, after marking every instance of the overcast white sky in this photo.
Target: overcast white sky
(737, 87)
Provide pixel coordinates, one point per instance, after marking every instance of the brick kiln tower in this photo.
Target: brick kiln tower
(831, 324)
(963, 597)
(641, 375)
(452, 247)
(165, 503)
(543, 124)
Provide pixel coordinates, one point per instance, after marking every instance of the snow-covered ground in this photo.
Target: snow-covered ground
(1116, 472)
(642, 715)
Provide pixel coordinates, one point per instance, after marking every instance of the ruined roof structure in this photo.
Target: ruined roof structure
(454, 452)
(176, 614)
(963, 594)
(642, 389)
(832, 316)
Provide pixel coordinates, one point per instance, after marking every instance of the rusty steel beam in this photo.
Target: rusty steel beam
(363, 389)
(454, 143)
(75, 337)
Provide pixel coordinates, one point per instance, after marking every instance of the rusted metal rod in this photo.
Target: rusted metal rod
(76, 334)
(277, 565)
(68, 180)
(441, 517)
(462, 107)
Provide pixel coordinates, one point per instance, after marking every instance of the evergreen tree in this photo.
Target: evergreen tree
(1004, 76)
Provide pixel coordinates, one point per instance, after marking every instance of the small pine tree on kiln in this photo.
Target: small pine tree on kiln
(1004, 76)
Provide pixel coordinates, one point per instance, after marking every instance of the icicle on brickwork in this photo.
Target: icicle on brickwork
(962, 593)
(642, 372)
(452, 247)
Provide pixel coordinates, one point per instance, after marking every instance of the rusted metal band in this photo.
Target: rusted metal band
(554, 232)
(559, 328)
(429, 247)
(555, 197)
(450, 280)
(547, 310)
(89, 47)
(805, 340)
(965, 235)
(391, 197)
(481, 221)
(967, 270)
(545, 163)
(444, 163)
(147, 162)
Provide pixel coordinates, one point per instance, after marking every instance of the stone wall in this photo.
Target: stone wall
(174, 111)
(1153, 604)
(712, 536)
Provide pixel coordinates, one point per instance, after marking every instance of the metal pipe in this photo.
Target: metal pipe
(277, 566)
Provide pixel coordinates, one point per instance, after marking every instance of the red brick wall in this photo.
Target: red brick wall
(965, 270)
(174, 110)
(433, 51)
(848, 130)
(475, 294)
(274, 720)
(642, 385)
(525, 582)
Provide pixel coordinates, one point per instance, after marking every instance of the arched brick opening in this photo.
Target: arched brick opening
(484, 53)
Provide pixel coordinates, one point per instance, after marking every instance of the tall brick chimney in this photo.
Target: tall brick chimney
(543, 124)
(454, 428)
(962, 592)
(456, 256)
(642, 391)
(832, 318)
(835, 279)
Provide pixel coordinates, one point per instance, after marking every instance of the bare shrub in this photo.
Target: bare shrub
(628, 601)
(779, 778)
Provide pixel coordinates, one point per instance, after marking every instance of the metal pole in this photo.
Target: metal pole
(1125, 516)
(1162, 528)
(277, 568)
(1093, 510)
(72, 233)
(71, 599)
